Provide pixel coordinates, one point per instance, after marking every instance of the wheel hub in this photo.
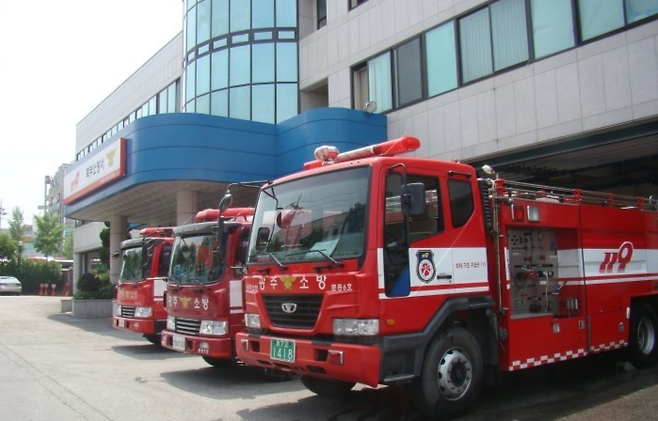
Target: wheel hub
(454, 373)
(646, 336)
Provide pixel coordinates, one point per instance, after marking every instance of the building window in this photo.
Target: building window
(354, 3)
(321, 8)
(203, 22)
(475, 37)
(408, 75)
(441, 55)
(240, 15)
(262, 103)
(598, 17)
(509, 33)
(640, 9)
(552, 26)
(219, 18)
(380, 82)
(262, 14)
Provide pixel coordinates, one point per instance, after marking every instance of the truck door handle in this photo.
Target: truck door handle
(444, 276)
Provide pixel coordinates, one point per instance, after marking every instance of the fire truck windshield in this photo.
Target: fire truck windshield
(132, 267)
(194, 260)
(321, 217)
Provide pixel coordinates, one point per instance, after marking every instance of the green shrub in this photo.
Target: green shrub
(94, 287)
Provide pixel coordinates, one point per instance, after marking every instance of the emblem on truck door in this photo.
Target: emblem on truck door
(425, 266)
(289, 307)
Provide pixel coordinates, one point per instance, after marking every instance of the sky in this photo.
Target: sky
(58, 61)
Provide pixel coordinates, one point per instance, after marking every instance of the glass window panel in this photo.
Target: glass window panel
(203, 104)
(240, 15)
(474, 34)
(239, 39)
(286, 13)
(552, 26)
(219, 78)
(263, 14)
(204, 49)
(220, 43)
(240, 103)
(322, 12)
(640, 9)
(262, 103)
(408, 75)
(153, 106)
(286, 101)
(286, 34)
(219, 103)
(162, 102)
(286, 62)
(189, 107)
(441, 56)
(262, 63)
(190, 73)
(203, 21)
(380, 82)
(240, 65)
(219, 17)
(509, 32)
(190, 3)
(260, 36)
(172, 103)
(203, 75)
(190, 29)
(598, 17)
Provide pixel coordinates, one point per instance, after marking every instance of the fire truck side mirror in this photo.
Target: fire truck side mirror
(226, 202)
(413, 199)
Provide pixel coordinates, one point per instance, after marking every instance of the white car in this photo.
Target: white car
(10, 285)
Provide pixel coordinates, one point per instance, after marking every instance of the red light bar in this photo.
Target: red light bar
(388, 148)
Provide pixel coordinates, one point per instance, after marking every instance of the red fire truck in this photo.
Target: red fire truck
(204, 295)
(372, 268)
(143, 279)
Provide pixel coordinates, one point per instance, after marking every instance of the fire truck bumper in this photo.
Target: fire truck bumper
(144, 326)
(337, 361)
(199, 345)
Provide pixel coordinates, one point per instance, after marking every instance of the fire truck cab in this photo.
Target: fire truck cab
(143, 278)
(204, 297)
(372, 268)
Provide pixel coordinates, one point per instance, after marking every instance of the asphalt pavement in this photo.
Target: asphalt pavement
(54, 367)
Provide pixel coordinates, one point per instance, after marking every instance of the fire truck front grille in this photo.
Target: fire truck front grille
(188, 326)
(293, 311)
(127, 312)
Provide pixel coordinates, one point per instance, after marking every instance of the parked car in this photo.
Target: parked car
(10, 285)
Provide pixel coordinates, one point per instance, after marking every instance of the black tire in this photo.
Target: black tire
(643, 338)
(327, 388)
(154, 339)
(451, 377)
(220, 362)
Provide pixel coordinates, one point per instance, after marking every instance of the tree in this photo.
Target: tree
(7, 247)
(17, 228)
(48, 238)
(67, 251)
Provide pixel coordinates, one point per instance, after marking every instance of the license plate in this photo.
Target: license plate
(282, 350)
(178, 343)
(122, 323)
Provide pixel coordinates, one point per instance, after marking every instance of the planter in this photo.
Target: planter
(91, 309)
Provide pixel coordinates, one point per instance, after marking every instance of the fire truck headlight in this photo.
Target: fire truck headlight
(171, 323)
(356, 327)
(143, 312)
(213, 327)
(252, 320)
(119, 310)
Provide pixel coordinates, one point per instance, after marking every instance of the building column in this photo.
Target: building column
(186, 207)
(118, 233)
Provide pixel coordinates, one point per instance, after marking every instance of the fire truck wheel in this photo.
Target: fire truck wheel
(154, 339)
(326, 387)
(452, 375)
(643, 349)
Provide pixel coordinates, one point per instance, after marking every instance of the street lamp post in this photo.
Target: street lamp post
(20, 254)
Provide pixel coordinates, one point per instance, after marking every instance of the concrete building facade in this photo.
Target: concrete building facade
(560, 92)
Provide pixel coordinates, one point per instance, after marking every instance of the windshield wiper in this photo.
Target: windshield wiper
(199, 282)
(278, 262)
(325, 255)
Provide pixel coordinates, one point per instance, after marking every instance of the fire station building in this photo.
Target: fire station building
(558, 92)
